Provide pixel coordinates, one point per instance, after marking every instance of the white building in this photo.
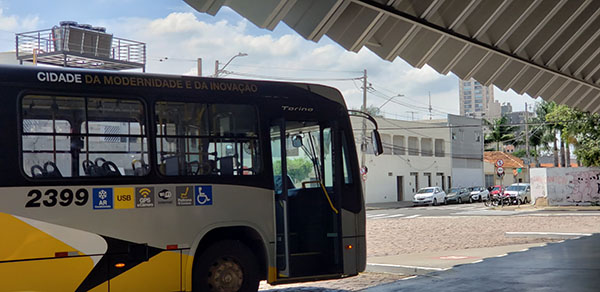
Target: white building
(419, 154)
(8, 58)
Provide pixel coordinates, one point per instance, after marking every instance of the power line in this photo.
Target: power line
(289, 78)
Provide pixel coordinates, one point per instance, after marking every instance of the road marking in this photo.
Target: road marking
(376, 215)
(546, 234)
(561, 214)
(393, 216)
(413, 216)
(387, 217)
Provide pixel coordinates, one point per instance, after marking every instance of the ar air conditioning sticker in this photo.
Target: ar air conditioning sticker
(102, 198)
(203, 195)
(144, 197)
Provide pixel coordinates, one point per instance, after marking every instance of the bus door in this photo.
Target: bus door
(307, 200)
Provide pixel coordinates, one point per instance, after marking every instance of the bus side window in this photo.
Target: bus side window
(345, 161)
(81, 136)
(206, 139)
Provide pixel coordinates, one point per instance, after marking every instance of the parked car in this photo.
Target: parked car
(497, 190)
(430, 195)
(458, 195)
(519, 191)
(479, 194)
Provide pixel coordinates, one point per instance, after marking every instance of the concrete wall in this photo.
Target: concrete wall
(466, 150)
(566, 186)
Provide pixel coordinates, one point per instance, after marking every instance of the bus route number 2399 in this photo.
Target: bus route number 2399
(52, 197)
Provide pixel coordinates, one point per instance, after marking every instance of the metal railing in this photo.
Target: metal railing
(81, 42)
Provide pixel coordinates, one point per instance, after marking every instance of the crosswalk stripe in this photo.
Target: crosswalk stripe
(387, 217)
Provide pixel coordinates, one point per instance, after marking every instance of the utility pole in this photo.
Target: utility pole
(527, 140)
(363, 145)
(200, 67)
(430, 105)
(412, 115)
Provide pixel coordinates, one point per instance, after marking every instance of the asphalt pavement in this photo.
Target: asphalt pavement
(572, 265)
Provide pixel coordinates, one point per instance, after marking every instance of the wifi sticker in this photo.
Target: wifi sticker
(144, 197)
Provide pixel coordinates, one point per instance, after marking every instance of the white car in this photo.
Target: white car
(520, 191)
(430, 195)
(479, 194)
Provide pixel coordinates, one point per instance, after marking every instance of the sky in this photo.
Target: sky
(176, 36)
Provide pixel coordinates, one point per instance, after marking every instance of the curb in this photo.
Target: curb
(401, 269)
(554, 235)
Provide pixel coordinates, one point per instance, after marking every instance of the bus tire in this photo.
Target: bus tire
(227, 265)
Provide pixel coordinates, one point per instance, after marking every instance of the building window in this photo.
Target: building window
(386, 140)
(399, 145)
(439, 148)
(426, 147)
(413, 146)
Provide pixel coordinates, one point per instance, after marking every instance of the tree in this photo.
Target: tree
(584, 127)
(298, 169)
(500, 131)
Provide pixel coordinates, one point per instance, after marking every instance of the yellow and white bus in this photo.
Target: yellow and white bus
(139, 182)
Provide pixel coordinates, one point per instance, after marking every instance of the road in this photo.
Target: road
(406, 219)
(475, 209)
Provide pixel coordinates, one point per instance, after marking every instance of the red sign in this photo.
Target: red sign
(500, 171)
(500, 163)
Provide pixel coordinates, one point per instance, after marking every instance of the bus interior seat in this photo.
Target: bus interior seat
(226, 165)
(142, 170)
(37, 171)
(279, 183)
(48, 170)
(54, 172)
(110, 169)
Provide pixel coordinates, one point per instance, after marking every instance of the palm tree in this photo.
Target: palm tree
(549, 134)
(500, 131)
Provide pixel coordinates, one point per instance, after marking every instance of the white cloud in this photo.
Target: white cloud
(183, 37)
(15, 23)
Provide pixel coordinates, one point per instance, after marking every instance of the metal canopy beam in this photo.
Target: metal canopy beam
(549, 47)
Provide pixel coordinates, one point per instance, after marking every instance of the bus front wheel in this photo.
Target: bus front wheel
(226, 265)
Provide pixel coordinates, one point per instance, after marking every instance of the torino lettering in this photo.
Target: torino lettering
(59, 77)
(296, 108)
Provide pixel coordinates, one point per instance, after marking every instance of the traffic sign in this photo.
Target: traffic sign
(500, 171)
(499, 163)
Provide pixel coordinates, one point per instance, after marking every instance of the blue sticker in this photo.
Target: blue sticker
(203, 195)
(102, 198)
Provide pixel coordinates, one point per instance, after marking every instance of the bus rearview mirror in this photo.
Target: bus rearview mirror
(377, 146)
(297, 141)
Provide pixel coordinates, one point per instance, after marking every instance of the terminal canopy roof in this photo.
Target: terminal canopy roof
(547, 48)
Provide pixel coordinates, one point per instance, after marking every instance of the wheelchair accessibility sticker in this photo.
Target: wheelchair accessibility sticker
(203, 195)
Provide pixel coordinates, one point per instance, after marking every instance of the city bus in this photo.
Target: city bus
(115, 181)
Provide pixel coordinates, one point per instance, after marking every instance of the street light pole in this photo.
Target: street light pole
(218, 71)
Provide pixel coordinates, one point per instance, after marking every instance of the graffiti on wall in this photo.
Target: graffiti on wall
(573, 187)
